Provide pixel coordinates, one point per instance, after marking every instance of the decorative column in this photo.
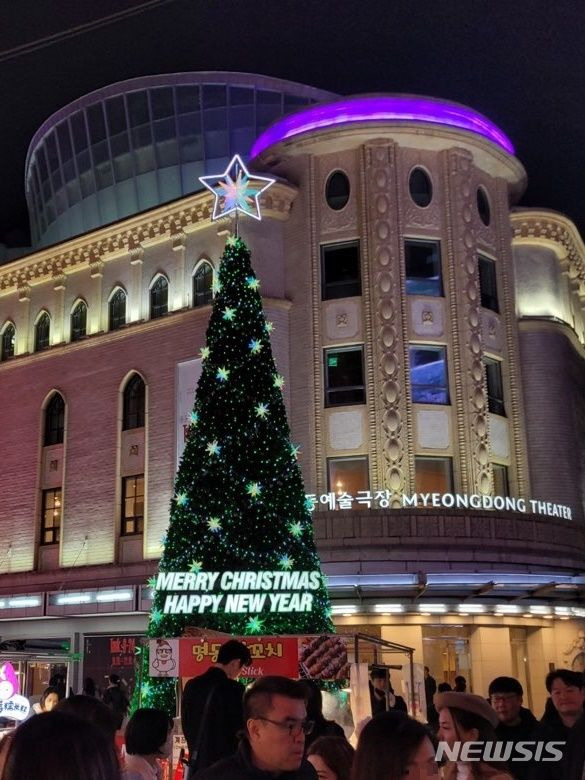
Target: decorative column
(23, 329)
(135, 295)
(470, 402)
(181, 286)
(96, 272)
(59, 285)
(386, 300)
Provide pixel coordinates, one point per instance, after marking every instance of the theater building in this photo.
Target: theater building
(430, 333)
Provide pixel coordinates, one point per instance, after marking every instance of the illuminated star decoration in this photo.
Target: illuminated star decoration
(229, 314)
(236, 190)
(181, 499)
(296, 529)
(151, 582)
(255, 346)
(253, 489)
(294, 451)
(222, 374)
(204, 352)
(145, 688)
(261, 410)
(213, 447)
(215, 286)
(285, 562)
(253, 283)
(156, 615)
(232, 240)
(309, 505)
(194, 418)
(196, 566)
(269, 327)
(214, 524)
(254, 625)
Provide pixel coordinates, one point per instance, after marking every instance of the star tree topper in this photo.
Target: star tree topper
(236, 190)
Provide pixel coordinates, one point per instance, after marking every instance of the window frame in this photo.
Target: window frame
(347, 388)
(159, 287)
(205, 296)
(55, 529)
(345, 458)
(133, 410)
(334, 206)
(115, 322)
(447, 460)
(489, 298)
(354, 285)
(136, 520)
(54, 421)
(504, 470)
(496, 400)
(42, 319)
(77, 331)
(9, 327)
(431, 242)
(437, 348)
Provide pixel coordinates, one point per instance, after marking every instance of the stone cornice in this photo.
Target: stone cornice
(542, 226)
(170, 222)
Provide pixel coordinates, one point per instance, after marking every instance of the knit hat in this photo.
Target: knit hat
(468, 702)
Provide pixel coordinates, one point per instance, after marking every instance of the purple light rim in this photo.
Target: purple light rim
(381, 109)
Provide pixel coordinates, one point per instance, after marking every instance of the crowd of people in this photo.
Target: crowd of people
(276, 729)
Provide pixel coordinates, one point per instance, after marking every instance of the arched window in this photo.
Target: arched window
(134, 393)
(117, 309)
(54, 421)
(42, 331)
(159, 298)
(79, 321)
(202, 285)
(7, 342)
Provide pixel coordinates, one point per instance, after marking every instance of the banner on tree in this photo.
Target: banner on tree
(321, 657)
(237, 592)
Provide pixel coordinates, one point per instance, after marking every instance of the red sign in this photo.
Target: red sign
(270, 655)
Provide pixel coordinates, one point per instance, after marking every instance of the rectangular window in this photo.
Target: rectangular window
(340, 270)
(428, 375)
(495, 390)
(488, 287)
(51, 517)
(133, 505)
(501, 484)
(433, 475)
(348, 476)
(344, 376)
(423, 267)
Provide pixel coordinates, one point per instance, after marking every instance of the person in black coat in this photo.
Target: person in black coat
(273, 744)
(382, 696)
(322, 727)
(212, 734)
(517, 723)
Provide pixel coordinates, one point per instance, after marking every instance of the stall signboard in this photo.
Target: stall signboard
(12, 704)
(317, 656)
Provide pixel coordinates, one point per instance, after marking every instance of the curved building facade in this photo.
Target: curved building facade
(432, 341)
(139, 143)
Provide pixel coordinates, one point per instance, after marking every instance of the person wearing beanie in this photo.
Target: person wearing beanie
(516, 723)
(465, 717)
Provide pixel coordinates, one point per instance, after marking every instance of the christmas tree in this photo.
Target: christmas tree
(239, 502)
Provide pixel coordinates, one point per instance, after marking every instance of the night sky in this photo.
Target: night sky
(520, 62)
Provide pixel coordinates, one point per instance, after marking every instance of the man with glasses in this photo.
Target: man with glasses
(517, 723)
(273, 744)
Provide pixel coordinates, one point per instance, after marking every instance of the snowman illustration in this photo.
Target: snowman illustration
(8, 681)
(164, 663)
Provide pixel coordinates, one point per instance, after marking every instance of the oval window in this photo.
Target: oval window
(483, 206)
(421, 189)
(337, 190)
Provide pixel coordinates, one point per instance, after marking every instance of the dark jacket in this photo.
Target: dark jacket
(323, 728)
(550, 729)
(379, 703)
(116, 700)
(575, 752)
(523, 732)
(223, 720)
(240, 767)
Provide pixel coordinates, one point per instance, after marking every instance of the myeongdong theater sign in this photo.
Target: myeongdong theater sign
(380, 499)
